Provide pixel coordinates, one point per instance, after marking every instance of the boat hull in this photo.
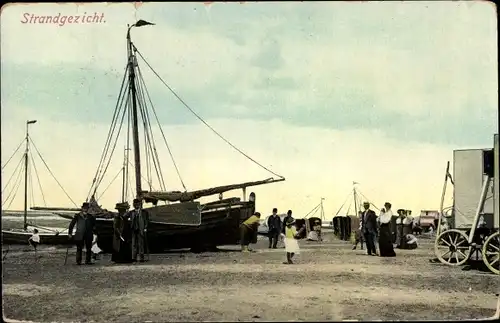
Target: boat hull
(13, 237)
(219, 226)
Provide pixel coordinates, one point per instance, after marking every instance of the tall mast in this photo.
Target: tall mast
(26, 174)
(124, 174)
(133, 92)
(135, 129)
(355, 201)
(322, 210)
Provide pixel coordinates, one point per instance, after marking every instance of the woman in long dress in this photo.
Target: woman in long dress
(386, 248)
(122, 252)
(291, 244)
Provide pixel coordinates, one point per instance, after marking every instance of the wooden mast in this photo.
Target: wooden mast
(133, 92)
(26, 174)
(355, 201)
(124, 175)
(135, 130)
(322, 210)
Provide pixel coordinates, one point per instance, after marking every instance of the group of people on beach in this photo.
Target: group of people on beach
(129, 233)
(373, 228)
(285, 231)
(130, 230)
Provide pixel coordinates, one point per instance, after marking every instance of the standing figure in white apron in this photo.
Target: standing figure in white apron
(291, 241)
(95, 248)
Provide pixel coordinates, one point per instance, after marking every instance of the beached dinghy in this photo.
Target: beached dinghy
(48, 236)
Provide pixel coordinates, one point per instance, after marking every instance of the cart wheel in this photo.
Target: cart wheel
(491, 253)
(452, 247)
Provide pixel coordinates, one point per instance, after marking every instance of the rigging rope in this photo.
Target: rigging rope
(315, 209)
(43, 160)
(149, 140)
(13, 173)
(363, 196)
(13, 153)
(127, 159)
(349, 209)
(159, 126)
(112, 151)
(345, 201)
(13, 192)
(201, 119)
(129, 188)
(152, 144)
(30, 177)
(38, 179)
(148, 149)
(147, 144)
(142, 176)
(112, 181)
(111, 130)
(141, 86)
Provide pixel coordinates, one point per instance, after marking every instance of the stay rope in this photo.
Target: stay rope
(200, 118)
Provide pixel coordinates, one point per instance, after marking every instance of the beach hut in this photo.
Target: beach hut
(313, 224)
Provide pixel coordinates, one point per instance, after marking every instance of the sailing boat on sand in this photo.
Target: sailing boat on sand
(48, 236)
(182, 222)
(345, 223)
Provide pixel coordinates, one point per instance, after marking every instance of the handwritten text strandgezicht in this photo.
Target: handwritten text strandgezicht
(61, 20)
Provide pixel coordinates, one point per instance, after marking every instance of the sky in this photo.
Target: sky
(322, 93)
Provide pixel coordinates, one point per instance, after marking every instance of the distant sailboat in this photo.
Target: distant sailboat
(312, 223)
(48, 236)
(345, 223)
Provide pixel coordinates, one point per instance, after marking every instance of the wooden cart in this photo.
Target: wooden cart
(476, 225)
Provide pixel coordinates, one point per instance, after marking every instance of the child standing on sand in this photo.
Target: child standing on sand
(291, 244)
(34, 240)
(95, 249)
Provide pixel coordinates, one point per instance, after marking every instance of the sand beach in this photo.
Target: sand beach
(329, 282)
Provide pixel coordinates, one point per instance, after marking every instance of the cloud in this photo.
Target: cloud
(302, 63)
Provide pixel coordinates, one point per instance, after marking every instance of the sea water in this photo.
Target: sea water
(15, 219)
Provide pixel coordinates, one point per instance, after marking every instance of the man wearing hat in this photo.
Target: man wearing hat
(139, 220)
(122, 252)
(274, 225)
(248, 231)
(369, 228)
(85, 226)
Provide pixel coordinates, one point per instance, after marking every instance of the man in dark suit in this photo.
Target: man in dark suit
(274, 229)
(369, 228)
(139, 220)
(85, 224)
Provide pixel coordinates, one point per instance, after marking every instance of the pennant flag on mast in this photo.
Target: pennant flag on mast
(141, 23)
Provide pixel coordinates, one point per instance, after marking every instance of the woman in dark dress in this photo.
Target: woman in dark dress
(386, 248)
(122, 252)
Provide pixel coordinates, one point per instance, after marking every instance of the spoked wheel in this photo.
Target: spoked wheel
(491, 253)
(452, 247)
